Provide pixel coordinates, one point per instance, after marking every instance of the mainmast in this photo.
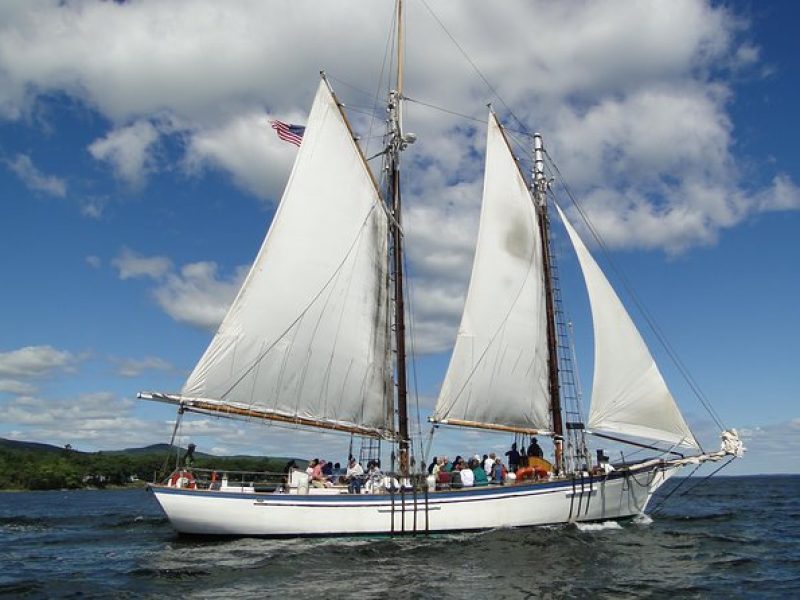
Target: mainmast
(540, 186)
(397, 143)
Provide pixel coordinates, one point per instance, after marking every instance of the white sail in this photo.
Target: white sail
(498, 371)
(629, 395)
(306, 336)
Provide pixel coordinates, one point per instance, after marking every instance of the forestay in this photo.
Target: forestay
(307, 335)
(629, 395)
(497, 376)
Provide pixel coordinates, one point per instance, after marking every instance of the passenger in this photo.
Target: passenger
(513, 458)
(447, 466)
(316, 478)
(355, 476)
(479, 475)
(339, 474)
(488, 463)
(534, 449)
(467, 476)
(374, 478)
(287, 473)
(433, 464)
(327, 469)
(498, 475)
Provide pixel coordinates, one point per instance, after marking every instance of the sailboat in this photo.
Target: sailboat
(315, 338)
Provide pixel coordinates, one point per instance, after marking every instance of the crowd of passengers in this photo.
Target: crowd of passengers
(442, 472)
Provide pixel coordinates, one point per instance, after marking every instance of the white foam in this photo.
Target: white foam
(643, 519)
(605, 525)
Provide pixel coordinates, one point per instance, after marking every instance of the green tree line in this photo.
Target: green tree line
(31, 469)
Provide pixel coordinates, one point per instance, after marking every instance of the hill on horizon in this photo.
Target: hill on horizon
(151, 449)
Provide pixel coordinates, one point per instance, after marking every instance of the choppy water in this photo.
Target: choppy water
(731, 538)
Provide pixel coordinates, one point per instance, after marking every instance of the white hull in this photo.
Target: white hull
(615, 496)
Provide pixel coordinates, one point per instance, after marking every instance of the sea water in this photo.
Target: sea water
(736, 537)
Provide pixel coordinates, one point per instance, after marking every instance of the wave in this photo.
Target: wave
(604, 526)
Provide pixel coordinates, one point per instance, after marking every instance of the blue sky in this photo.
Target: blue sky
(138, 177)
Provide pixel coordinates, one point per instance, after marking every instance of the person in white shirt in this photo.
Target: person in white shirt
(467, 477)
(488, 464)
(354, 476)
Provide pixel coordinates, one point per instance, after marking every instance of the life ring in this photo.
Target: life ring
(525, 473)
(182, 479)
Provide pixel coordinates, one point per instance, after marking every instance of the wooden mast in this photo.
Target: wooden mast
(540, 186)
(396, 145)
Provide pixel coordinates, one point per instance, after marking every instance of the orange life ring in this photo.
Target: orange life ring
(182, 479)
(524, 473)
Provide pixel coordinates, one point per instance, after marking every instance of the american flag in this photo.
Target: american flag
(288, 133)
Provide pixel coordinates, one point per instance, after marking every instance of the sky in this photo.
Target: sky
(139, 175)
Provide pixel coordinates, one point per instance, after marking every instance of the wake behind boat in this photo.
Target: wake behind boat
(316, 338)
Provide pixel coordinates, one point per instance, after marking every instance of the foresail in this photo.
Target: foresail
(629, 395)
(306, 337)
(498, 376)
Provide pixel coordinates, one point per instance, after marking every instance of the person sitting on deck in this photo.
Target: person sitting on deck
(436, 467)
(287, 473)
(467, 475)
(498, 472)
(488, 463)
(374, 477)
(479, 475)
(315, 476)
(354, 476)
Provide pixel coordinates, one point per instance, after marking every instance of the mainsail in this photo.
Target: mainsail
(306, 339)
(497, 377)
(629, 395)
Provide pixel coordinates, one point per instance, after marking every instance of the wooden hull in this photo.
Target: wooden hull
(617, 495)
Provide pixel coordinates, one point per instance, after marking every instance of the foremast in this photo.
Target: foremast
(539, 187)
(397, 143)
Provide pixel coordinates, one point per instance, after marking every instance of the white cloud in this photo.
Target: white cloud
(131, 367)
(771, 448)
(246, 147)
(132, 265)
(34, 179)
(12, 386)
(94, 261)
(128, 151)
(197, 296)
(784, 194)
(93, 207)
(36, 361)
(100, 420)
(633, 99)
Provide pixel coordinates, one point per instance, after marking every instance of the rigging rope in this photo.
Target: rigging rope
(658, 506)
(412, 328)
(473, 65)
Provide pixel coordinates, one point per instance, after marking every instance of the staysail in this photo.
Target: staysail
(629, 395)
(306, 339)
(497, 377)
